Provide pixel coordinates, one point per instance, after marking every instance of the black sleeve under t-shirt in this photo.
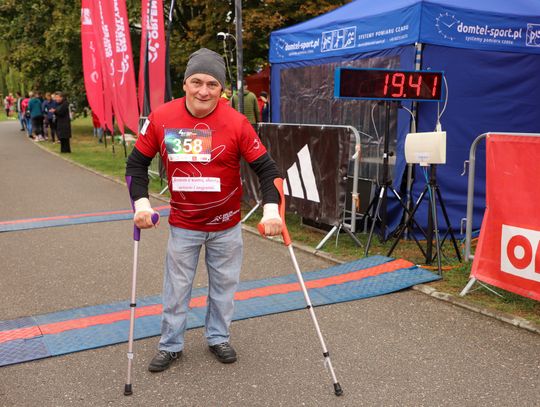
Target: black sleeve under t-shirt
(137, 168)
(266, 170)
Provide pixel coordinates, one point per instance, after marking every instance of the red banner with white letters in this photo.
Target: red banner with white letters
(120, 77)
(102, 33)
(153, 49)
(93, 77)
(126, 90)
(508, 252)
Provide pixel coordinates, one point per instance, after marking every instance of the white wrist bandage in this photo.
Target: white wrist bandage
(143, 205)
(270, 211)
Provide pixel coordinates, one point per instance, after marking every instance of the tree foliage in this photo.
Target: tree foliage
(43, 44)
(197, 23)
(42, 50)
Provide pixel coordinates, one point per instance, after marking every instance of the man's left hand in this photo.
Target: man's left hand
(272, 227)
(271, 220)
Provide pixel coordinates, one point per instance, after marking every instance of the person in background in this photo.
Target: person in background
(36, 116)
(11, 103)
(26, 113)
(98, 131)
(262, 100)
(251, 108)
(226, 96)
(49, 122)
(63, 121)
(20, 112)
(7, 105)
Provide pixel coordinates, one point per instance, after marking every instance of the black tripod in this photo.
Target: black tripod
(434, 193)
(380, 198)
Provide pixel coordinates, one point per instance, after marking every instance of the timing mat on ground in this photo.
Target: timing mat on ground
(74, 330)
(69, 220)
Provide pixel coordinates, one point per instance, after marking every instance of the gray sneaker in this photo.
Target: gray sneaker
(224, 352)
(163, 360)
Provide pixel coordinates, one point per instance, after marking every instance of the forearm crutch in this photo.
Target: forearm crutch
(136, 237)
(278, 182)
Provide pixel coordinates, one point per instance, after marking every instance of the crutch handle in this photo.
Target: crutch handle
(278, 182)
(260, 227)
(155, 218)
(155, 215)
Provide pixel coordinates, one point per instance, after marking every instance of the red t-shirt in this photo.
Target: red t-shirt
(205, 196)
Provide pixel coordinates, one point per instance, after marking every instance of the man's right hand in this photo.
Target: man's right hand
(143, 214)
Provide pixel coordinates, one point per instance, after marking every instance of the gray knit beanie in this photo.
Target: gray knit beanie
(207, 62)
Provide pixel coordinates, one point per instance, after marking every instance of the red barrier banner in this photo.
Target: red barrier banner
(153, 49)
(93, 77)
(508, 252)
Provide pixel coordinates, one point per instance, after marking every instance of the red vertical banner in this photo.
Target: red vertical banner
(508, 252)
(102, 32)
(93, 77)
(113, 32)
(126, 91)
(153, 48)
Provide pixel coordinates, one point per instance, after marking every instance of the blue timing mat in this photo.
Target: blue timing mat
(68, 220)
(80, 329)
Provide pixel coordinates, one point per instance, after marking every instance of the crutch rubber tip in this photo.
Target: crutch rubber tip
(337, 389)
(127, 390)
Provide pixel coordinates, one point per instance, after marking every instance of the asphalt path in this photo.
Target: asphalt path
(403, 349)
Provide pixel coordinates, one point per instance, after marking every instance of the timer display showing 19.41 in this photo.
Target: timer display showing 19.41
(388, 84)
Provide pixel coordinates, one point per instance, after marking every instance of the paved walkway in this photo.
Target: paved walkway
(404, 349)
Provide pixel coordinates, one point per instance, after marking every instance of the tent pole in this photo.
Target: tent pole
(239, 56)
(168, 82)
(413, 129)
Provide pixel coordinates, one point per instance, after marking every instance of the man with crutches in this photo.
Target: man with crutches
(201, 143)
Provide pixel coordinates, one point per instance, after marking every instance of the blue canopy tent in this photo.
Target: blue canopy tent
(488, 49)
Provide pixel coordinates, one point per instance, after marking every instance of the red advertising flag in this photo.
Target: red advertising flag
(126, 92)
(118, 62)
(93, 77)
(102, 32)
(508, 252)
(153, 36)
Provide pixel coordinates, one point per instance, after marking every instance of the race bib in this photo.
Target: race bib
(192, 145)
(196, 184)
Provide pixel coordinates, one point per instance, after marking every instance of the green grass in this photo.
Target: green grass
(109, 160)
(3, 117)
(87, 151)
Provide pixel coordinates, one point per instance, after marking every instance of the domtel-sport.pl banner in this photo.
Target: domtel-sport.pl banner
(426, 23)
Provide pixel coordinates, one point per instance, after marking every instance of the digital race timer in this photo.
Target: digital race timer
(388, 84)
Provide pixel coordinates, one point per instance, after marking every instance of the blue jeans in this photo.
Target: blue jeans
(98, 132)
(22, 120)
(28, 122)
(223, 261)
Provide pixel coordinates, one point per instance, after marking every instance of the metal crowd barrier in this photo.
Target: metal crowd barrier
(350, 215)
